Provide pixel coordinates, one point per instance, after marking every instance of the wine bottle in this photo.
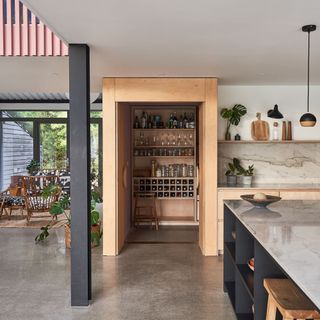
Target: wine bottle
(175, 121)
(136, 123)
(143, 120)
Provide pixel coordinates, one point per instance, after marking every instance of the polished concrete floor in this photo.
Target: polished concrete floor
(165, 234)
(147, 281)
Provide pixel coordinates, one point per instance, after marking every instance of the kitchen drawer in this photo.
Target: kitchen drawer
(300, 195)
(235, 195)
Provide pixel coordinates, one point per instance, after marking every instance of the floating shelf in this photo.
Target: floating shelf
(166, 157)
(163, 129)
(163, 147)
(266, 142)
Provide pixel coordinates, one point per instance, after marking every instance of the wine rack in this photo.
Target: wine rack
(165, 187)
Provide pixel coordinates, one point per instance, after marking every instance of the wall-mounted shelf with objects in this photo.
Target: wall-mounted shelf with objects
(266, 142)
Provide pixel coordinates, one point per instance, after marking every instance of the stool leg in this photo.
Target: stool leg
(271, 309)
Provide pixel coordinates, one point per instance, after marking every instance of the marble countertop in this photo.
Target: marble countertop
(290, 232)
(272, 186)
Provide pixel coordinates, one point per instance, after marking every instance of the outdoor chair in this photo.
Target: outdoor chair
(35, 201)
(11, 199)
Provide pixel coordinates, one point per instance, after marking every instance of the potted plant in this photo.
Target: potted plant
(233, 170)
(233, 116)
(33, 167)
(62, 207)
(247, 174)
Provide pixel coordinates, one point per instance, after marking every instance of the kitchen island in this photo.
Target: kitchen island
(284, 241)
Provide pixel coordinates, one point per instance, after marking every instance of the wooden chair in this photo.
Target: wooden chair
(145, 209)
(33, 193)
(11, 199)
(289, 300)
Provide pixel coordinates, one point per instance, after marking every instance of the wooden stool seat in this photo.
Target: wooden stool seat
(289, 300)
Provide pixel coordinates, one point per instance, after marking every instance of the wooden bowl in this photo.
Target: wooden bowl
(260, 203)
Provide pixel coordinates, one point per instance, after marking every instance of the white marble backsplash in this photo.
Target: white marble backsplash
(274, 163)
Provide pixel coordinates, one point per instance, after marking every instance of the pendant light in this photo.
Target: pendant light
(308, 119)
(275, 113)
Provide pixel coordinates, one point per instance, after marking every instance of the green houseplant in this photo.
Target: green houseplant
(62, 208)
(33, 167)
(233, 171)
(247, 174)
(233, 116)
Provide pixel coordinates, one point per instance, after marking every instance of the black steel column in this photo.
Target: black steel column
(79, 86)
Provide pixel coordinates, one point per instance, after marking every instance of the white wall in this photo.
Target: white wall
(290, 99)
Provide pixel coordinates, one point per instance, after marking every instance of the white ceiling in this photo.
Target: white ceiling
(240, 42)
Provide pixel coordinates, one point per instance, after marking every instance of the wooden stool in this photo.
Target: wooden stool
(145, 202)
(289, 300)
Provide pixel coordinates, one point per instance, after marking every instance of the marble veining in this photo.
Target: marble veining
(290, 232)
(274, 163)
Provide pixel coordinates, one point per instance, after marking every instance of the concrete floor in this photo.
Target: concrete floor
(165, 234)
(147, 281)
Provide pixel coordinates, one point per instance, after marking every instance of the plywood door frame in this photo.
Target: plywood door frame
(162, 90)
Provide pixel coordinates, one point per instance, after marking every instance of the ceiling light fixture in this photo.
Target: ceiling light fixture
(308, 119)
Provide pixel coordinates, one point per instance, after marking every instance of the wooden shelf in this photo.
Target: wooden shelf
(163, 147)
(266, 142)
(166, 157)
(180, 218)
(164, 129)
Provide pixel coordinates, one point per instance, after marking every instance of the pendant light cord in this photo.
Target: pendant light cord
(308, 82)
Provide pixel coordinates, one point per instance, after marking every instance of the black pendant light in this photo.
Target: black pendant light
(275, 113)
(308, 119)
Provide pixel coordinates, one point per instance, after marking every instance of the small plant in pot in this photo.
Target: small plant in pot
(233, 170)
(233, 116)
(33, 167)
(247, 174)
(62, 208)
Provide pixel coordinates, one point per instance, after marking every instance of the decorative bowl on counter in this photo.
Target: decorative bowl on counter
(260, 203)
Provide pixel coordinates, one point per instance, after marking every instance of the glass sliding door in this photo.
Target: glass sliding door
(53, 149)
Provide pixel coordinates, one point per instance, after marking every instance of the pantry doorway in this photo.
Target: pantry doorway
(188, 194)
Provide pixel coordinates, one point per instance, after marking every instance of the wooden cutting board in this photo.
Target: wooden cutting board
(260, 129)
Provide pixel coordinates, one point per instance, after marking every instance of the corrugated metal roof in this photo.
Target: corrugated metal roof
(33, 96)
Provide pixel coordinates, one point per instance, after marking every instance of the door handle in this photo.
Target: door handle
(124, 176)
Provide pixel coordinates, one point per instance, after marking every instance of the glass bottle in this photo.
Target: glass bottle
(143, 120)
(136, 123)
(175, 121)
(181, 122)
(185, 121)
(170, 123)
(275, 132)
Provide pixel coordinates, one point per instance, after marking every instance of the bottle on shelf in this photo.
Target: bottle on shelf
(185, 121)
(170, 122)
(149, 124)
(175, 121)
(275, 132)
(180, 122)
(143, 120)
(136, 123)
(153, 168)
(191, 121)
